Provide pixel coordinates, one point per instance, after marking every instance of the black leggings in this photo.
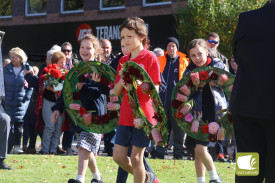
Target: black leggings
(18, 130)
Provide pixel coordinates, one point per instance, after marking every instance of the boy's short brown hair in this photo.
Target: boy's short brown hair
(138, 25)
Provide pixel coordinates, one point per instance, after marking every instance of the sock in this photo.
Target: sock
(201, 179)
(230, 152)
(80, 178)
(213, 175)
(96, 176)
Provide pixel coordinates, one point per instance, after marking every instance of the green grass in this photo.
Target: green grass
(58, 169)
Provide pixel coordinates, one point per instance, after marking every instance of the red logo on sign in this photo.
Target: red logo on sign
(82, 30)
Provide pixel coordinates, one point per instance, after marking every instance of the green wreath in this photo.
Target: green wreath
(130, 74)
(182, 104)
(71, 96)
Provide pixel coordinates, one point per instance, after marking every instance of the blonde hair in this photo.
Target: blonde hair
(56, 56)
(96, 45)
(20, 53)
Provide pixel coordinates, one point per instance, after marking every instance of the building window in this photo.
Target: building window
(5, 9)
(72, 6)
(112, 4)
(35, 7)
(156, 2)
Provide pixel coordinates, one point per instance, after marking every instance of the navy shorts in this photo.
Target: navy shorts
(129, 135)
(204, 143)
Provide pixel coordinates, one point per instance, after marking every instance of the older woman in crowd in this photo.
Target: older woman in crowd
(18, 94)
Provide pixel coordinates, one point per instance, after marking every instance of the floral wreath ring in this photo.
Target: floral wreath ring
(182, 103)
(71, 96)
(130, 74)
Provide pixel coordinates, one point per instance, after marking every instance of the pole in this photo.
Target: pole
(2, 88)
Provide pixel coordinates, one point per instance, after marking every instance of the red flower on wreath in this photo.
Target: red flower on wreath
(108, 116)
(113, 114)
(214, 76)
(127, 78)
(96, 120)
(190, 83)
(135, 72)
(204, 75)
(178, 115)
(82, 111)
(176, 104)
(140, 77)
(76, 95)
(158, 117)
(81, 78)
(212, 138)
(105, 119)
(204, 128)
(104, 81)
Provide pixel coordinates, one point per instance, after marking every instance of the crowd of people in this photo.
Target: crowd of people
(35, 109)
(31, 108)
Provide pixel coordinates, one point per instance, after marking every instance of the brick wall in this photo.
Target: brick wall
(91, 12)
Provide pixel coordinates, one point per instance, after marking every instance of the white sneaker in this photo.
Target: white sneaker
(17, 150)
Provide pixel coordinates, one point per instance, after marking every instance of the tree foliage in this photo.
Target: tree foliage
(200, 17)
(37, 6)
(70, 5)
(113, 3)
(5, 8)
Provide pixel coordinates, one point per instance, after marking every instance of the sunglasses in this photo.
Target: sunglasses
(63, 50)
(211, 41)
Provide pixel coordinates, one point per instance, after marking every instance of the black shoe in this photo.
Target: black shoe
(41, 152)
(96, 181)
(73, 181)
(146, 154)
(221, 160)
(178, 157)
(110, 154)
(3, 165)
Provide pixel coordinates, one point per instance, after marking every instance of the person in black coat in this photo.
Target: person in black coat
(252, 99)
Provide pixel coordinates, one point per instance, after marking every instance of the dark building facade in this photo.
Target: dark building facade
(36, 25)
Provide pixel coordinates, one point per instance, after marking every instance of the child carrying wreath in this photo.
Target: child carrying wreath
(134, 36)
(208, 99)
(92, 96)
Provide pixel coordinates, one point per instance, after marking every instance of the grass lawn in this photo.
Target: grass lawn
(58, 169)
